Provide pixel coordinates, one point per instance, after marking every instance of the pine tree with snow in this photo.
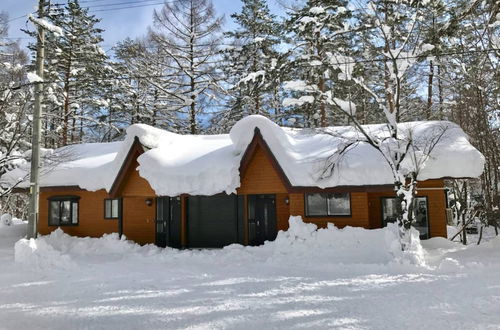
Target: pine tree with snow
(316, 29)
(76, 70)
(187, 33)
(252, 61)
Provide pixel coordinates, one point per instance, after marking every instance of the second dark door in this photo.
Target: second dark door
(168, 222)
(261, 219)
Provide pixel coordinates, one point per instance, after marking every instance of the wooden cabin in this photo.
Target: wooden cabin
(259, 208)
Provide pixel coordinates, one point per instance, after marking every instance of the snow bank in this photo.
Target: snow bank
(174, 164)
(38, 254)
(303, 245)
(489, 252)
(59, 250)
(350, 245)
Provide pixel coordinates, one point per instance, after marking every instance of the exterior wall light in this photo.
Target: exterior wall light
(149, 201)
(287, 200)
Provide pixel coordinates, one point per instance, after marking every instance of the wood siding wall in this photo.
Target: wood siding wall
(436, 207)
(359, 212)
(260, 176)
(135, 185)
(90, 214)
(138, 217)
(139, 220)
(282, 211)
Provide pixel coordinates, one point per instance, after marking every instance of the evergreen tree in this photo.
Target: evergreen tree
(77, 70)
(252, 61)
(316, 29)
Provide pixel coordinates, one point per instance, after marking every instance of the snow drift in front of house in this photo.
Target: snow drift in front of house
(302, 244)
(175, 164)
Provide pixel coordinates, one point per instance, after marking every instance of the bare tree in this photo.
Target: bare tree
(188, 34)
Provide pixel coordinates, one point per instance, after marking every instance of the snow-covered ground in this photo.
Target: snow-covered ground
(326, 279)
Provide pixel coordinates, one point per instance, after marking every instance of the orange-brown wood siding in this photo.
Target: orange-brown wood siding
(138, 217)
(436, 207)
(282, 211)
(359, 212)
(260, 176)
(135, 185)
(91, 214)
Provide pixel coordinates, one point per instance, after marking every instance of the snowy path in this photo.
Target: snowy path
(246, 289)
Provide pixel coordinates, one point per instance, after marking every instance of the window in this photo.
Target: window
(336, 204)
(111, 208)
(391, 208)
(63, 211)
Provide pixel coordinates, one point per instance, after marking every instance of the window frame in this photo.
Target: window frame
(118, 216)
(327, 194)
(60, 199)
(384, 224)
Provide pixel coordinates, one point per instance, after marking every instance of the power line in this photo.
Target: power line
(139, 4)
(90, 7)
(121, 3)
(128, 7)
(16, 38)
(13, 19)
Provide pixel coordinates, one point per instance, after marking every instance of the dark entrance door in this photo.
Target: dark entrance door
(261, 219)
(168, 222)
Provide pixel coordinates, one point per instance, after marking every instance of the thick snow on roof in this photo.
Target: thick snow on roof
(85, 165)
(209, 164)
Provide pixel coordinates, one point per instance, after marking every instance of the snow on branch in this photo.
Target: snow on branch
(253, 76)
(33, 77)
(299, 86)
(56, 30)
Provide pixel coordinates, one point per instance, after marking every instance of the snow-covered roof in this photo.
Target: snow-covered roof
(209, 164)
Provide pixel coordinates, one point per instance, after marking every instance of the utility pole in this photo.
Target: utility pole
(35, 139)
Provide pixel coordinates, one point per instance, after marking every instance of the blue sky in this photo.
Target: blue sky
(118, 24)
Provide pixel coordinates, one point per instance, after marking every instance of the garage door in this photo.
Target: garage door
(214, 221)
